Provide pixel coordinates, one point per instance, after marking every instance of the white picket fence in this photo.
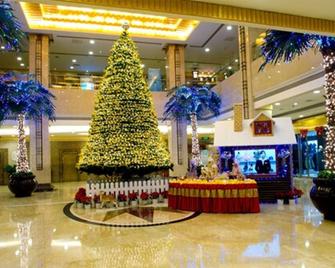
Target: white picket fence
(109, 187)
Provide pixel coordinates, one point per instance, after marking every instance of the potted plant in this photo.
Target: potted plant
(87, 202)
(286, 46)
(132, 199)
(122, 199)
(165, 196)
(154, 197)
(323, 194)
(80, 197)
(193, 103)
(96, 202)
(289, 197)
(23, 100)
(144, 197)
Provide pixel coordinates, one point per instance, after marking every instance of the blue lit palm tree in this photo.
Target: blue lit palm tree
(24, 99)
(285, 46)
(192, 103)
(10, 27)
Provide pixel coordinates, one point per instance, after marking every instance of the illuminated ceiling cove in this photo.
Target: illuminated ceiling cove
(101, 21)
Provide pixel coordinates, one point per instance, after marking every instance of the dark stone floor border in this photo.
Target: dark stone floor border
(69, 214)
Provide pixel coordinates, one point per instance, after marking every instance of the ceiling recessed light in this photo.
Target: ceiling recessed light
(229, 119)
(269, 76)
(74, 60)
(312, 67)
(236, 60)
(301, 115)
(71, 67)
(277, 103)
(207, 49)
(2, 47)
(295, 104)
(316, 91)
(229, 67)
(92, 42)
(19, 58)
(166, 67)
(278, 71)
(90, 53)
(22, 64)
(229, 27)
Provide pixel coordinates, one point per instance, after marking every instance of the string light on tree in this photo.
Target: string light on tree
(329, 66)
(124, 138)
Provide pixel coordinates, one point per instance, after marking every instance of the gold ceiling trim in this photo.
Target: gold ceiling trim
(218, 12)
(42, 16)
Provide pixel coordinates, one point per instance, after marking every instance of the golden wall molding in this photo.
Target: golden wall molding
(215, 12)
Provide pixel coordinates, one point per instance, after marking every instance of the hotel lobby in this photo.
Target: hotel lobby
(167, 134)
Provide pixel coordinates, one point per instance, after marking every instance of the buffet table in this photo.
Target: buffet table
(221, 196)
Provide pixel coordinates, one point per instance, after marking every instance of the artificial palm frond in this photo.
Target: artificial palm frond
(24, 97)
(185, 100)
(285, 46)
(11, 33)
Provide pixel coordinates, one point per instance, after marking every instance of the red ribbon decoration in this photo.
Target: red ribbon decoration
(303, 133)
(319, 131)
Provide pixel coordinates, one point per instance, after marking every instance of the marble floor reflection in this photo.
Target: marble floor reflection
(34, 232)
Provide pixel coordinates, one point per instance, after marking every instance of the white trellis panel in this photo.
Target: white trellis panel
(109, 187)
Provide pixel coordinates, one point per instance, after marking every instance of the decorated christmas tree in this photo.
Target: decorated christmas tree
(124, 138)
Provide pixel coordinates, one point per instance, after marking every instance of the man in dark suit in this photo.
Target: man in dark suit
(263, 165)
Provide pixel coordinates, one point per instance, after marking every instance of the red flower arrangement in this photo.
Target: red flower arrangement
(165, 194)
(132, 196)
(96, 199)
(81, 195)
(87, 200)
(144, 196)
(290, 194)
(122, 198)
(154, 195)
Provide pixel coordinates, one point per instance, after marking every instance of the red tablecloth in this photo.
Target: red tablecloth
(216, 198)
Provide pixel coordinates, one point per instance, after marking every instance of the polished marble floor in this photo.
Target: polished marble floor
(34, 232)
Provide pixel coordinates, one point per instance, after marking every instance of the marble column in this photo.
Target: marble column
(177, 136)
(40, 163)
(246, 72)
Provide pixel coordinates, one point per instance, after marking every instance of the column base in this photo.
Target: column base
(44, 187)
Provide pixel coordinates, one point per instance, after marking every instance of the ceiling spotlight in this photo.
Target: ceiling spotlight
(301, 116)
(19, 58)
(229, 27)
(236, 60)
(142, 65)
(2, 47)
(74, 60)
(229, 119)
(229, 67)
(316, 91)
(21, 64)
(90, 53)
(277, 103)
(71, 67)
(295, 104)
(207, 49)
(92, 42)
(166, 67)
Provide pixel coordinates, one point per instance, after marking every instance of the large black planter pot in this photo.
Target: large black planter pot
(22, 186)
(323, 197)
